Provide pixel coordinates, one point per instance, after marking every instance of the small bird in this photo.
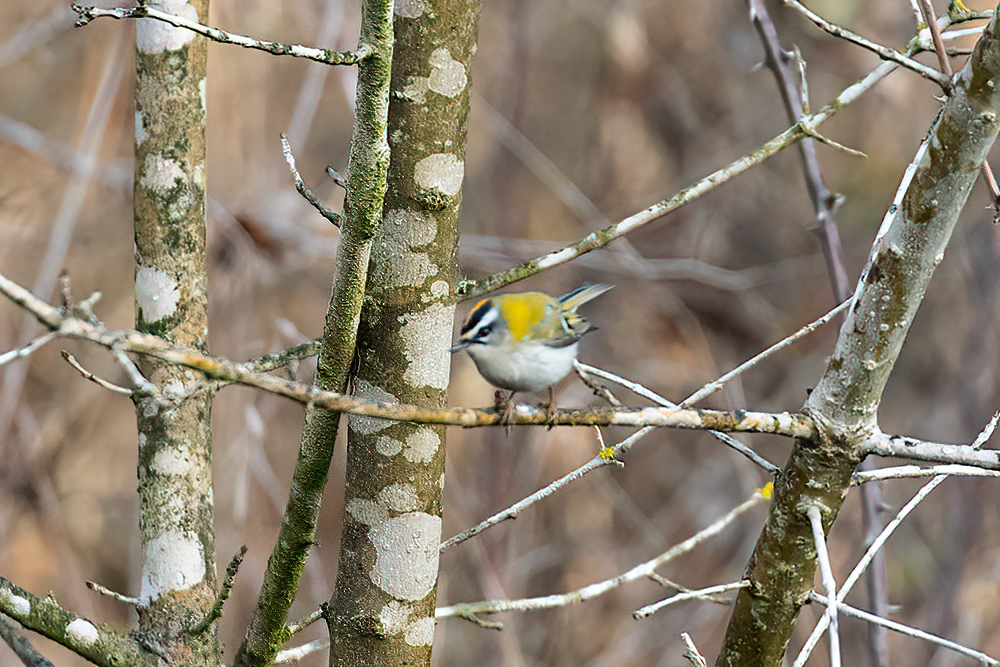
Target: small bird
(526, 341)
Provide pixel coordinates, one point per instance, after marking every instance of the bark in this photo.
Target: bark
(910, 244)
(174, 418)
(382, 612)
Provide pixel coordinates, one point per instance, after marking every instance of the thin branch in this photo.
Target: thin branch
(299, 652)
(643, 570)
(724, 438)
(829, 583)
(303, 623)
(807, 125)
(224, 591)
(87, 375)
(303, 189)
(880, 541)
(270, 362)
(883, 52)
(931, 21)
(26, 350)
(918, 472)
(144, 11)
(512, 512)
(114, 595)
(792, 425)
(691, 652)
(10, 632)
(909, 631)
(715, 385)
(700, 594)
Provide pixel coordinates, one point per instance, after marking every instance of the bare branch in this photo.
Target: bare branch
(883, 52)
(25, 351)
(829, 583)
(10, 632)
(303, 189)
(144, 11)
(87, 375)
(700, 594)
(848, 610)
(594, 590)
(224, 591)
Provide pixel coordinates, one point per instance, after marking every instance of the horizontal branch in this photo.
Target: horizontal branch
(903, 447)
(783, 423)
(100, 644)
(143, 11)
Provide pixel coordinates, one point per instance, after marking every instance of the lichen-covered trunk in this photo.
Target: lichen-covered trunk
(174, 418)
(908, 247)
(382, 612)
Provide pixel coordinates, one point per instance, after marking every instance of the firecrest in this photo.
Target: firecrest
(526, 341)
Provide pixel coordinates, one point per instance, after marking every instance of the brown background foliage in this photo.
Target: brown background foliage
(630, 101)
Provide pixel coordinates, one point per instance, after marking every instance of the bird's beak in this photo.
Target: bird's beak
(460, 345)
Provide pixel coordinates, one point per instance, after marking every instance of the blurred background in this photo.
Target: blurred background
(584, 112)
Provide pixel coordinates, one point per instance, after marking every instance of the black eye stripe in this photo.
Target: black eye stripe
(482, 315)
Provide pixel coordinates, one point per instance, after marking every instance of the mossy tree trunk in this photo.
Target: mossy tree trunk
(382, 612)
(171, 301)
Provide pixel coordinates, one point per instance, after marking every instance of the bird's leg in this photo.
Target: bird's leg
(550, 408)
(504, 404)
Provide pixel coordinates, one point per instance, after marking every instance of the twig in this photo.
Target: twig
(470, 288)
(101, 382)
(114, 595)
(299, 652)
(511, 512)
(691, 652)
(942, 55)
(303, 189)
(715, 385)
(829, 583)
(10, 632)
(638, 389)
(224, 591)
(270, 362)
(594, 590)
(700, 594)
(848, 610)
(26, 350)
(883, 52)
(880, 541)
(327, 56)
(303, 623)
(918, 472)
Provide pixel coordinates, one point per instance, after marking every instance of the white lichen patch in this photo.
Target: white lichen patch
(152, 36)
(448, 76)
(399, 498)
(426, 338)
(394, 617)
(173, 461)
(174, 562)
(140, 130)
(421, 445)
(410, 9)
(366, 511)
(18, 605)
(415, 89)
(397, 264)
(83, 632)
(156, 293)
(420, 632)
(365, 391)
(440, 288)
(406, 555)
(442, 172)
(387, 446)
(160, 174)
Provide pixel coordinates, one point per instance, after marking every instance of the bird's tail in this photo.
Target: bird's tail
(582, 295)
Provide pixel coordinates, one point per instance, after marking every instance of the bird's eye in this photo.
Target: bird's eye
(484, 331)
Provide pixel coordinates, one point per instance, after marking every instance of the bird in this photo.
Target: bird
(526, 341)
